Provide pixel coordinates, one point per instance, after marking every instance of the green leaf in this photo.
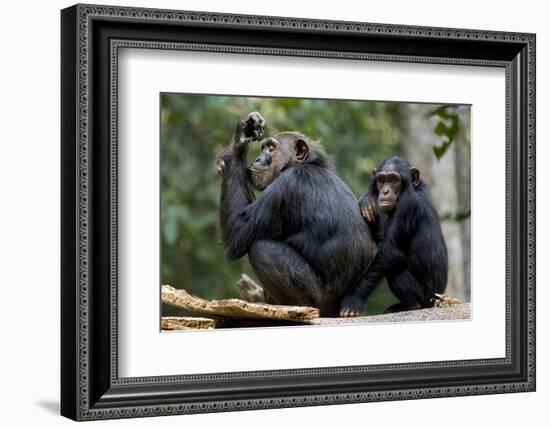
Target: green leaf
(447, 128)
(441, 149)
(440, 129)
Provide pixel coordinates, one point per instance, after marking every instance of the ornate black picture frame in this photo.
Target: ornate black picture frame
(91, 36)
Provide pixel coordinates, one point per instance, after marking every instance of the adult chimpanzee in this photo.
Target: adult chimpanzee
(412, 254)
(304, 234)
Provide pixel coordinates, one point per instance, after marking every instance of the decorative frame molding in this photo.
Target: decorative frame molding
(91, 37)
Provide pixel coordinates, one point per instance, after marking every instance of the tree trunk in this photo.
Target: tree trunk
(463, 180)
(441, 178)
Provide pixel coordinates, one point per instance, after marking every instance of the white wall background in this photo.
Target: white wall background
(29, 215)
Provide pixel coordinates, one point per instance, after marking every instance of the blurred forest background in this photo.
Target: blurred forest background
(357, 134)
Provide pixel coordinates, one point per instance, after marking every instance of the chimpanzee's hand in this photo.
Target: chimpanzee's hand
(351, 306)
(252, 126)
(369, 207)
(249, 129)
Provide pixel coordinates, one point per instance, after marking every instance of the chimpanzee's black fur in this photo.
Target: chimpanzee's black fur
(304, 234)
(412, 254)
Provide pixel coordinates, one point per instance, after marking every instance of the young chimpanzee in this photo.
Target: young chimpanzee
(412, 254)
(304, 234)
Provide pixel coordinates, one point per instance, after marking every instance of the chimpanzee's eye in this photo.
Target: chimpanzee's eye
(392, 178)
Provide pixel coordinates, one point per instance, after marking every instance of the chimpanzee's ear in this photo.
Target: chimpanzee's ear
(301, 150)
(374, 171)
(415, 173)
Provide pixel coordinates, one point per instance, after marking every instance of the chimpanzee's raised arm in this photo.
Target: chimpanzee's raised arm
(243, 219)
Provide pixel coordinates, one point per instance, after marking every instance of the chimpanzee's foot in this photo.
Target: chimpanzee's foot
(351, 306)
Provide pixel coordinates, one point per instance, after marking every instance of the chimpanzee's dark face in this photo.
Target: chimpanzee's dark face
(277, 153)
(394, 176)
(389, 187)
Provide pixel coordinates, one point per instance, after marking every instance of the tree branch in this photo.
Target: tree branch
(235, 308)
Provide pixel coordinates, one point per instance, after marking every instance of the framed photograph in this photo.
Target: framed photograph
(263, 212)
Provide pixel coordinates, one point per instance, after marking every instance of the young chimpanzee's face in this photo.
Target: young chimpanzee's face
(277, 153)
(394, 176)
(389, 187)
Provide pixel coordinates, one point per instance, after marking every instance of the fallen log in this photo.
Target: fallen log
(187, 323)
(235, 308)
(182, 299)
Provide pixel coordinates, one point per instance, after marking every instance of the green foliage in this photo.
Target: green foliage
(447, 128)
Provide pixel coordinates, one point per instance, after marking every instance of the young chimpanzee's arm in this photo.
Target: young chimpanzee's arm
(243, 219)
(388, 258)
